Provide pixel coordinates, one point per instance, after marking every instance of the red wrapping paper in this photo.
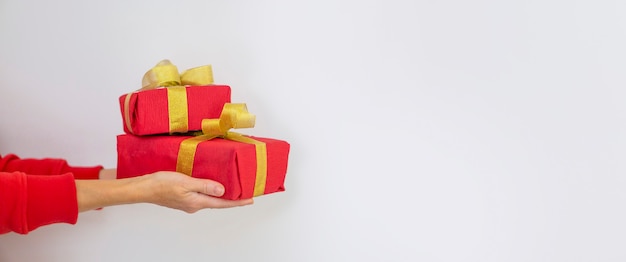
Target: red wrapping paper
(148, 110)
(231, 163)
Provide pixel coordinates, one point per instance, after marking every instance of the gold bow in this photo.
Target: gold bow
(233, 116)
(165, 74)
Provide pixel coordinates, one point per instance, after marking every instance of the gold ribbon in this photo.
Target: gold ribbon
(165, 74)
(233, 116)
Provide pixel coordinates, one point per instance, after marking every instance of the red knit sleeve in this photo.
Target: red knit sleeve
(47, 167)
(30, 201)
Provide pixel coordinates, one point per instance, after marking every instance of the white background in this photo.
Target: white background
(420, 130)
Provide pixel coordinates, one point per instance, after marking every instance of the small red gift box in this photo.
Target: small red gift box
(234, 164)
(172, 109)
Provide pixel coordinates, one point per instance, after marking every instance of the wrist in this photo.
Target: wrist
(138, 189)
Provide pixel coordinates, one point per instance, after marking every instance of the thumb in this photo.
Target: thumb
(206, 186)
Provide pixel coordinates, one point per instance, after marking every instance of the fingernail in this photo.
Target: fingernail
(219, 191)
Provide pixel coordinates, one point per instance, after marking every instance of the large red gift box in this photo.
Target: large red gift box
(147, 112)
(233, 164)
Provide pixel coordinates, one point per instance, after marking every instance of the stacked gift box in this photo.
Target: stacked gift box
(184, 122)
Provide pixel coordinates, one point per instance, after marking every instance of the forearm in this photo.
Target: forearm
(106, 174)
(93, 194)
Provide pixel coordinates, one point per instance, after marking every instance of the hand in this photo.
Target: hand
(168, 189)
(182, 192)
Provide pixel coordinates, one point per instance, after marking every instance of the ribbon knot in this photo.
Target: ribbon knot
(232, 116)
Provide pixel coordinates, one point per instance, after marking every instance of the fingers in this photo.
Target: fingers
(202, 201)
(191, 194)
(212, 202)
(211, 191)
(206, 186)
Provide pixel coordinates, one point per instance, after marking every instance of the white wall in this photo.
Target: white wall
(420, 130)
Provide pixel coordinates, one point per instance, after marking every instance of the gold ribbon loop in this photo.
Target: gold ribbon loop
(163, 74)
(198, 76)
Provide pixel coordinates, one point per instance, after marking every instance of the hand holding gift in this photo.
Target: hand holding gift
(168, 189)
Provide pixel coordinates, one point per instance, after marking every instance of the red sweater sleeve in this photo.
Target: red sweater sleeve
(30, 201)
(38, 192)
(46, 167)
